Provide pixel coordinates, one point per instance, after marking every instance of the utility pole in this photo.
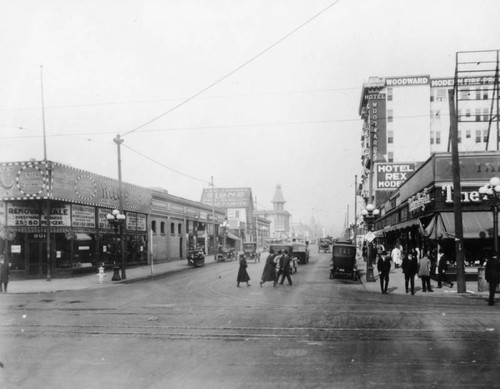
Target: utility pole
(355, 209)
(118, 142)
(48, 169)
(213, 215)
(457, 204)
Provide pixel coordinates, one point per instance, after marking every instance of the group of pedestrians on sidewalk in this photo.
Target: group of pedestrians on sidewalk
(277, 265)
(411, 266)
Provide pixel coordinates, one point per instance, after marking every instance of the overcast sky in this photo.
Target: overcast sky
(289, 116)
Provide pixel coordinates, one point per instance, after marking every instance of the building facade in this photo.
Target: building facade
(407, 119)
(54, 221)
(279, 217)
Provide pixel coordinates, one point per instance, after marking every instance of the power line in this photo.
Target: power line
(234, 70)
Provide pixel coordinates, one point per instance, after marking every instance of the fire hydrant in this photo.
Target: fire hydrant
(101, 275)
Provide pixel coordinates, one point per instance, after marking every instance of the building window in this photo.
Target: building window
(432, 137)
(389, 94)
(464, 94)
(179, 229)
(153, 226)
(485, 136)
(390, 156)
(486, 114)
(162, 227)
(438, 137)
(467, 113)
(390, 136)
(438, 115)
(441, 94)
(172, 228)
(468, 134)
(478, 114)
(459, 133)
(390, 115)
(478, 136)
(478, 94)
(485, 93)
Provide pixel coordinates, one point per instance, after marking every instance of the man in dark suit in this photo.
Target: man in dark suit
(384, 268)
(492, 275)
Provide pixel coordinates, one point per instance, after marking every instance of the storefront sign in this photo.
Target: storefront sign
(102, 219)
(472, 168)
(136, 221)
(391, 175)
(23, 215)
(82, 216)
(419, 201)
(465, 197)
(450, 82)
(59, 216)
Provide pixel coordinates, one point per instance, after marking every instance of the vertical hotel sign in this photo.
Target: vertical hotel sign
(377, 121)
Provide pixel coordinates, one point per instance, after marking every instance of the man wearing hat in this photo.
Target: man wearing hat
(492, 275)
(384, 267)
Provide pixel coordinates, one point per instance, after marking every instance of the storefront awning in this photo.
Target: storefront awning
(475, 225)
(232, 236)
(399, 226)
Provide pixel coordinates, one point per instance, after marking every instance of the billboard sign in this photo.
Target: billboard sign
(391, 175)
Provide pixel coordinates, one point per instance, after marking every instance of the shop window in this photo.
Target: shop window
(464, 94)
(172, 228)
(162, 227)
(179, 229)
(153, 226)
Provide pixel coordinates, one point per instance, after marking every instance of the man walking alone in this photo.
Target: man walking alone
(384, 267)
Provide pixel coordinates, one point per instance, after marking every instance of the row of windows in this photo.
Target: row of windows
(162, 228)
(481, 136)
(467, 117)
(440, 94)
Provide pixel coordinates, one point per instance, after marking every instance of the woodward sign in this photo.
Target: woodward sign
(391, 175)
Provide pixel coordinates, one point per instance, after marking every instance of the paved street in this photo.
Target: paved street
(193, 328)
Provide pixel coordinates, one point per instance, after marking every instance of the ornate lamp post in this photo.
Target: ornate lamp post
(117, 219)
(370, 213)
(491, 194)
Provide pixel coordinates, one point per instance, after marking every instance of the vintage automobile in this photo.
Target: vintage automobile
(343, 262)
(250, 251)
(196, 257)
(324, 245)
(226, 255)
(301, 252)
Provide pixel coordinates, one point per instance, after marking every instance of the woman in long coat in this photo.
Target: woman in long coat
(269, 272)
(242, 272)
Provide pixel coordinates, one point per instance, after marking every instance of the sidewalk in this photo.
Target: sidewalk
(397, 284)
(92, 282)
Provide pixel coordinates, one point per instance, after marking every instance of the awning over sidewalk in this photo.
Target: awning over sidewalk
(232, 236)
(399, 226)
(475, 224)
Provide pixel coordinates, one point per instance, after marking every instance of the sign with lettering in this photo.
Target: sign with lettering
(407, 81)
(462, 81)
(391, 175)
(377, 123)
(472, 167)
(33, 216)
(82, 216)
(419, 201)
(228, 197)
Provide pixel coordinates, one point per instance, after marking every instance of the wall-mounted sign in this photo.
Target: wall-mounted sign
(23, 180)
(82, 216)
(419, 201)
(228, 197)
(391, 175)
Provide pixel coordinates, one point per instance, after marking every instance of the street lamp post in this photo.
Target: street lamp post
(116, 219)
(370, 213)
(491, 194)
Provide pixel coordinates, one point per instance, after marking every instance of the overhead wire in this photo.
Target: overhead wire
(262, 52)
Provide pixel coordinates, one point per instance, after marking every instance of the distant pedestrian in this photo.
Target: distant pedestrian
(396, 256)
(410, 269)
(269, 272)
(424, 272)
(242, 272)
(4, 274)
(492, 275)
(442, 268)
(286, 269)
(384, 268)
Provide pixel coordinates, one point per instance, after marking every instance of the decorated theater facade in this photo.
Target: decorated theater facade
(75, 203)
(420, 213)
